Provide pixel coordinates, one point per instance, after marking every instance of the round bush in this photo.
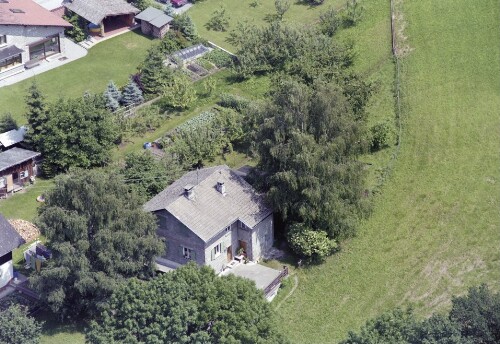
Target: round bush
(310, 244)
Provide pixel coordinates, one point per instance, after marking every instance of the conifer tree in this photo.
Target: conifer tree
(36, 115)
(169, 9)
(112, 95)
(154, 74)
(131, 94)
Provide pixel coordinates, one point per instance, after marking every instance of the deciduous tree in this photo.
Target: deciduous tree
(7, 122)
(189, 305)
(16, 327)
(99, 235)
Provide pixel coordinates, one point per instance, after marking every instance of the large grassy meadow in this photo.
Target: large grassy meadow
(241, 11)
(434, 229)
(114, 59)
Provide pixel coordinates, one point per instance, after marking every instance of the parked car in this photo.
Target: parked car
(178, 3)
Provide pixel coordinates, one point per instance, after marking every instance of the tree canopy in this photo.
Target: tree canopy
(99, 235)
(473, 319)
(16, 327)
(308, 139)
(189, 305)
(70, 132)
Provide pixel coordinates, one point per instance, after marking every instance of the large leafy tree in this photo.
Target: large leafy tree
(478, 315)
(190, 305)
(185, 25)
(309, 139)
(16, 327)
(72, 133)
(99, 236)
(7, 122)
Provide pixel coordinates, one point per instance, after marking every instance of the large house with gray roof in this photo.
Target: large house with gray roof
(210, 216)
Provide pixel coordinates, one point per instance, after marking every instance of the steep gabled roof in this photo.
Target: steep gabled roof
(96, 10)
(210, 211)
(28, 13)
(155, 17)
(15, 156)
(9, 238)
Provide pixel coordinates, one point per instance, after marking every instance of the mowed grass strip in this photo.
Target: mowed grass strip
(434, 230)
(114, 59)
(300, 13)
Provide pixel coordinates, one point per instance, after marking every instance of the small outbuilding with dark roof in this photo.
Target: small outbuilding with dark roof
(154, 22)
(9, 241)
(17, 168)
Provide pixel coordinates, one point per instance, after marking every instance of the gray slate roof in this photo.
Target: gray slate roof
(9, 238)
(12, 137)
(209, 211)
(96, 10)
(155, 17)
(15, 156)
(9, 51)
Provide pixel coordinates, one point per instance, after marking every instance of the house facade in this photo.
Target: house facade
(17, 167)
(212, 216)
(9, 240)
(29, 33)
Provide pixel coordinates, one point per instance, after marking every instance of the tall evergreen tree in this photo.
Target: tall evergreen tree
(112, 95)
(169, 9)
(131, 94)
(154, 73)
(184, 24)
(36, 115)
(99, 235)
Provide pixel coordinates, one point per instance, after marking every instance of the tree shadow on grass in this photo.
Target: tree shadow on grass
(52, 326)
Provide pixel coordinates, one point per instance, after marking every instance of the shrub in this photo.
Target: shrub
(382, 135)
(312, 245)
(232, 101)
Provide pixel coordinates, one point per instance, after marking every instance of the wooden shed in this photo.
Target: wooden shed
(154, 22)
(17, 166)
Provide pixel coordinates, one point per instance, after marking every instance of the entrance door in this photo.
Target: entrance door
(243, 245)
(10, 183)
(229, 254)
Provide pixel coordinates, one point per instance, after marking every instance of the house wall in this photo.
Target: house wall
(262, 237)
(160, 32)
(29, 165)
(177, 235)
(6, 271)
(146, 28)
(229, 240)
(246, 236)
(22, 36)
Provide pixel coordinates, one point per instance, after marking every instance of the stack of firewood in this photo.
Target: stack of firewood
(26, 229)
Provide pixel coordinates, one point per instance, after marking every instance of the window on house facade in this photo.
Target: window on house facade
(188, 253)
(23, 174)
(217, 250)
(10, 62)
(45, 48)
(3, 40)
(241, 225)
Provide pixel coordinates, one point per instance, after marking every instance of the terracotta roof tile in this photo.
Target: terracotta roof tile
(31, 14)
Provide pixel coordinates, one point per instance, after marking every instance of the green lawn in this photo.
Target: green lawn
(23, 205)
(114, 59)
(299, 13)
(434, 229)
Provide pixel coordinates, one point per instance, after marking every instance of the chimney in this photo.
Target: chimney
(221, 187)
(189, 191)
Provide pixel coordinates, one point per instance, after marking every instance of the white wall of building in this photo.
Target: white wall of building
(6, 273)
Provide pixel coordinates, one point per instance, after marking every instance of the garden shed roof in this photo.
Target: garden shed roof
(96, 10)
(9, 238)
(15, 156)
(155, 17)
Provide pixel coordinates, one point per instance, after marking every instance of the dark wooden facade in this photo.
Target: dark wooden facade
(16, 177)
